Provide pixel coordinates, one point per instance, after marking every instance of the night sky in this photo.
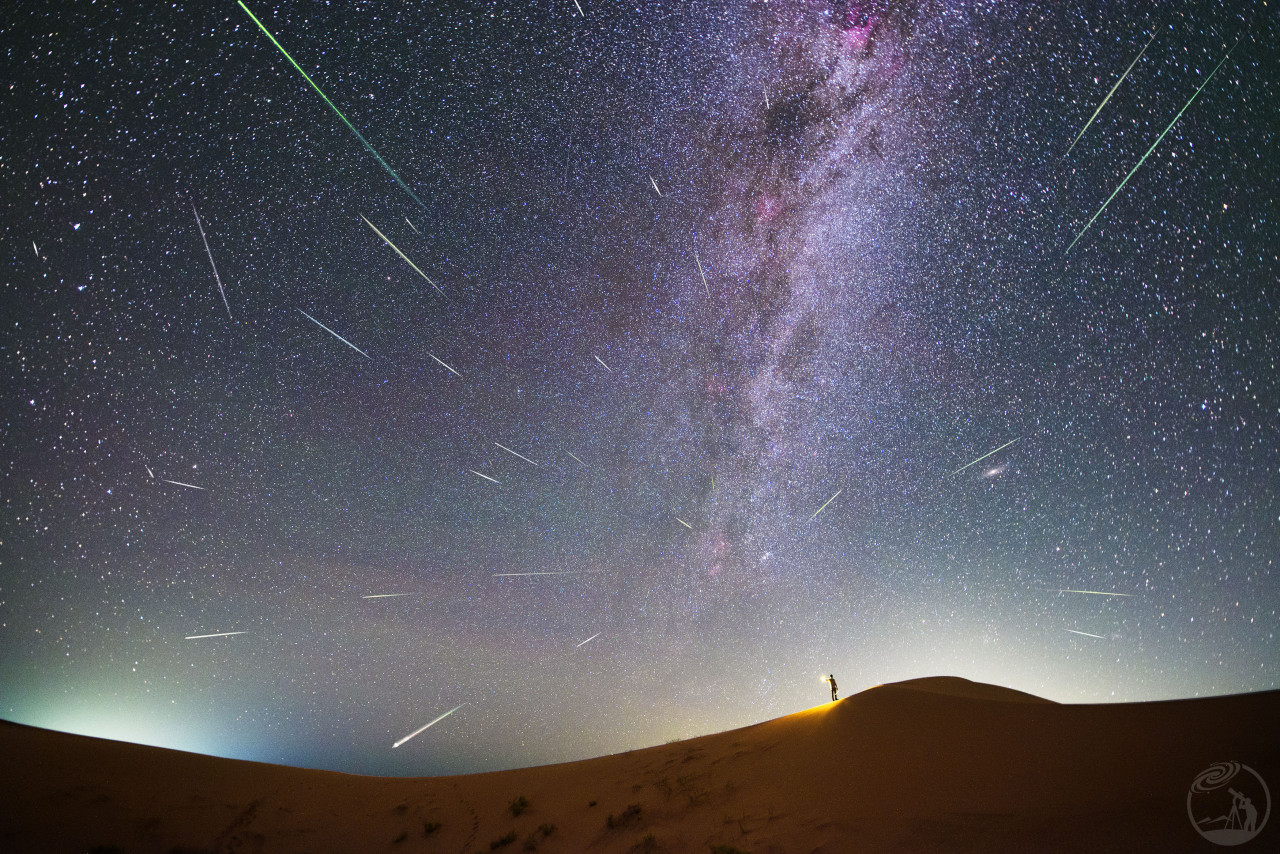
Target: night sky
(699, 267)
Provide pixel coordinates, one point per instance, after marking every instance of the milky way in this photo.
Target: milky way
(712, 318)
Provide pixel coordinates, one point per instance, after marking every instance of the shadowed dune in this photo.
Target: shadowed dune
(939, 764)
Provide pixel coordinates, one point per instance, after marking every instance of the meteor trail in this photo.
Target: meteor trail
(334, 334)
(984, 456)
(404, 256)
(683, 522)
(655, 186)
(180, 483)
(485, 476)
(513, 453)
(149, 471)
(218, 635)
(590, 639)
(37, 248)
(383, 595)
(1109, 94)
(559, 572)
(824, 506)
(584, 465)
(1152, 148)
(602, 364)
(216, 277)
(580, 12)
(700, 271)
(446, 367)
(1092, 592)
(433, 723)
(1086, 634)
(414, 227)
(378, 156)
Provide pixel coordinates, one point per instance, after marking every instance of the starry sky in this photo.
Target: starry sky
(677, 274)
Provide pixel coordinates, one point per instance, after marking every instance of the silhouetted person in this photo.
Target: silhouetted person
(832, 679)
(1250, 820)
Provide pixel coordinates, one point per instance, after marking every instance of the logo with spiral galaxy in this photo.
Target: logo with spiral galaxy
(1228, 803)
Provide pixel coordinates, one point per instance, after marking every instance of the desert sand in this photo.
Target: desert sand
(938, 764)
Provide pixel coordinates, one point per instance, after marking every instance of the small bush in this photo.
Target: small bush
(543, 831)
(401, 809)
(401, 838)
(593, 803)
(519, 805)
(430, 827)
(727, 849)
(630, 814)
(502, 841)
(649, 843)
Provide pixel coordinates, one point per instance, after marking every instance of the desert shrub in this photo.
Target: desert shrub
(631, 813)
(543, 831)
(401, 809)
(502, 841)
(401, 838)
(593, 803)
(649, 843)
(727, 849)
(519, 805)
(430, 827)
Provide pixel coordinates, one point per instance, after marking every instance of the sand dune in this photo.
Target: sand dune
(938, 764)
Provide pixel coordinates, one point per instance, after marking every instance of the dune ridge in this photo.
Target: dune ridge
(937, 764)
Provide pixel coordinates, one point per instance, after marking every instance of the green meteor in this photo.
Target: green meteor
(1152, 148)
(1109, 94)
(390, 171)
(984, 456)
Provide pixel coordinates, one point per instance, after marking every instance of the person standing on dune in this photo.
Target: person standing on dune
(831, 677)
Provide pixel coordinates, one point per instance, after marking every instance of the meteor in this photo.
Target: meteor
(404, 256)
(558, 572)
(584, 465)
(37, 248)
(1091, 592)
(1109, 94)
(513, 453)
(216, 277)
(602, 364)
(1086, 634)
(414, 227)
(984, 456)
(683, 522)
(446, 367)
(824, 506)
(334, 334)
(580, 12)
(1152, 148)
(485, 476)
(383, 595)
(590, 639)
(655, 186)
(180, 483)
(149, 471)
(218, 635)
(352, 127)
(433, 723)
(701, 273)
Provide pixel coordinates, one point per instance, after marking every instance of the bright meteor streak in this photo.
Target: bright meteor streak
(216, 277)
(1109, 94)
(701, 272)
(655, 186)
(383, 595)
(218, 635)
(433, 723)
(1086, 634)
(589, 640)
(485, 476)
(446, 367)
(404, 256)
(987, 454)
(824, 506)
(180, 483)
(1152, 148)
(1091, 592)
(559, 572)
(334, 334)
(378, 156)
(683, 522)
(572, 454)
(513, 453)
(602, 364)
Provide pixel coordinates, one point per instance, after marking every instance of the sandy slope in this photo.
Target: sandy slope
(937, 764)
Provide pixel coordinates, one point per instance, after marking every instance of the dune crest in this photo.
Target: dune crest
(938, 764)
